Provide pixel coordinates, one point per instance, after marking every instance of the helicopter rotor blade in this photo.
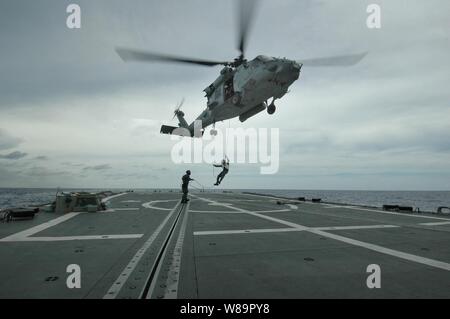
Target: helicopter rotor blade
(181, 104)
(343, 60)
(177, 109)
(143, 56)
(246, 14)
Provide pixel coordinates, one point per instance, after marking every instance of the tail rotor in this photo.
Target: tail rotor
(178, 109)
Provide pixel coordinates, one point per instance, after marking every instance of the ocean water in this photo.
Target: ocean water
(424, 200)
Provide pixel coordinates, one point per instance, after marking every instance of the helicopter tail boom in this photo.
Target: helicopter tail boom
(180, 131)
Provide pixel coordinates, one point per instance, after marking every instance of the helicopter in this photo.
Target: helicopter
(243, 88)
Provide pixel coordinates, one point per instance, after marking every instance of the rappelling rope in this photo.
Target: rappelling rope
(200, 184)
(226, 140)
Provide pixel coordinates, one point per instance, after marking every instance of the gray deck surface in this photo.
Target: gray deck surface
(226, 245)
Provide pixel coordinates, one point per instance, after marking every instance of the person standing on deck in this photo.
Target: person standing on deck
(185, 186)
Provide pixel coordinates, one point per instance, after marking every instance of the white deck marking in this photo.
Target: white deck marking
(245, 231)
(126, 272)
(237, 212)
(242, 200)
(215, 212)
(107, 199)
(280, 221)
(281, 230)
(355, 227)
(271, 211)
(66, 238)
(252, 213)
(106, 211)
(380, 249)
(435, 224)
(384, 250)
(36, 229)
(150, 204)
(328, 206)
(26, 235)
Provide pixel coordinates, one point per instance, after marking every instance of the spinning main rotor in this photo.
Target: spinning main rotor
(246, 14)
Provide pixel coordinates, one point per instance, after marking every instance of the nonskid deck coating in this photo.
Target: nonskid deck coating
(228, 245)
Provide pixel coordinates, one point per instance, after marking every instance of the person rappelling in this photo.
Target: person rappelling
(225, 168)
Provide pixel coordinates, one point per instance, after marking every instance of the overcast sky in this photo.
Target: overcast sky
(73, 114)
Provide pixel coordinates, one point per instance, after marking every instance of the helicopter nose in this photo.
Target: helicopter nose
(287, 71)
(296, 65)
(291, 70)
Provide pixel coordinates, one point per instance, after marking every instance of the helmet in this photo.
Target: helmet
(188, 172)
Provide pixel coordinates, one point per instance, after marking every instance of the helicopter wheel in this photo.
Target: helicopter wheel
(236, 99)
(271, 109)
(213, 132)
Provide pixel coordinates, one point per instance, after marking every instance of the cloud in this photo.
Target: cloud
(41, 158)
(39, 171)
(72, 164)
(14, 155)
(7, 141)
(138, 176)
(372, 137)
(82, 105)
(101, 167)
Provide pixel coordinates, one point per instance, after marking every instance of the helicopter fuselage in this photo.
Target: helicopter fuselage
(243, 87)
(244, 91)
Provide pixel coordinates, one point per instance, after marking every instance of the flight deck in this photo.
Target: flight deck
(225, 245)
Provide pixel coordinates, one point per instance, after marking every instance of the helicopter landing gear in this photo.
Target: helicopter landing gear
(271, 108)
(236, 99)
(213, 132)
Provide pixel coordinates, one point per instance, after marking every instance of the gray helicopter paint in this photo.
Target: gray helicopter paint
(254, 82)
(243, 87)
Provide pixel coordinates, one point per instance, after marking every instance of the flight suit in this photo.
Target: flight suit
(184, 187)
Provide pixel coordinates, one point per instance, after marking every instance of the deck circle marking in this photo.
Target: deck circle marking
(151, 205)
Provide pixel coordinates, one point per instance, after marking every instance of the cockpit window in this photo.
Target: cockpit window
(264, 58)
